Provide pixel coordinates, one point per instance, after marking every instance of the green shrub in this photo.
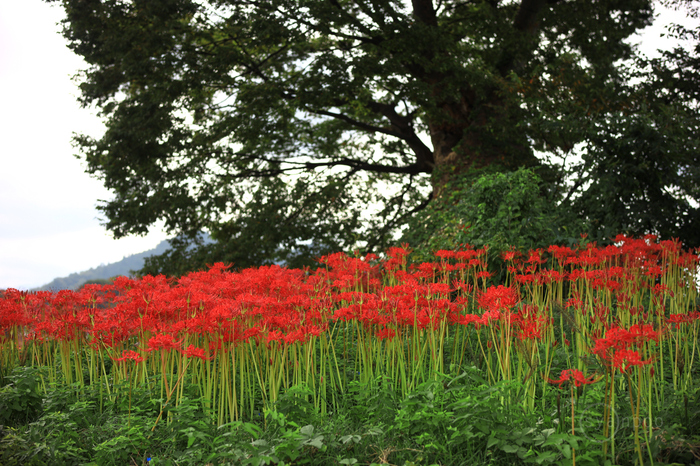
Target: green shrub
(503, 210)
(20, 401)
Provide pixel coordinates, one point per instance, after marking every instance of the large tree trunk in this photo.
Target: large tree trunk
(465, 142)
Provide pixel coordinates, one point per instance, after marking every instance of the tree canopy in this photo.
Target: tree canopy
(291, 128)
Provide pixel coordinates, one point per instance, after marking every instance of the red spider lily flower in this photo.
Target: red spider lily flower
(194, 352)
(620, 338)
(163, 341)
(253, 332)
(687, 260)
(653, 271)
(561, 253)
(676, 320)
(575, 303)
(465, 256)
(526, 278)
(463, 286)
(535, 257)
(612, 285)
(443, 254)
(436, 289)
(643, 332)
(531, 329)
(659, 289)
(370, 257)
(573, 375)
(129, 355)
(397, 257)
(509, 256)
(469, 319)
(624, 358)
(296, 335)
(621, 239)
(589, 257)
(549, 276)
(650, 238)
(498, 297)
(386, 334)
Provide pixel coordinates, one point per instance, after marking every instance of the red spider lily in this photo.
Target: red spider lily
(676, 320)
(643, 332)
(589, 258)
(163, 341)
(574, 302)
(129, 355)
(397, 257)
(385, 334)
(462, 286)
(617, 338)
(509, 256)
(466, 256)
(438, 289)
(623, 359)
(532, 326)
(687, 260)
(660, 289)
(194, 352)
(610, 285)
(549, 276)
(498, 297)
(560, 252)
(274, 335)
(535, 257)
(427, 269)
(527, 278)
(573, 375)
(444, 255)
(469, 319)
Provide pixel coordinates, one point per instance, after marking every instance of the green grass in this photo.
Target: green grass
(455, 420)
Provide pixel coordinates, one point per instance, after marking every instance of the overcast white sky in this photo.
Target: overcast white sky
(49, 226)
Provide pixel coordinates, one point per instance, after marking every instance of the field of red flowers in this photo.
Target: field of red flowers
(623, 317)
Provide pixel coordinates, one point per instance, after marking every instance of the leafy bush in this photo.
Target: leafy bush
(20, 401)
(503, 210)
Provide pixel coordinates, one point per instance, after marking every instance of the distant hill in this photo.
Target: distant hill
(123, 267)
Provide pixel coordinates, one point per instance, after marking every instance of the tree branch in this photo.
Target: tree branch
(358, 124)
(413, 169)
(403, 125)
(354, 164)
(525, 23)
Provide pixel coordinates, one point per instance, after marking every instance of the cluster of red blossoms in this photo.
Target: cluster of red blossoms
(615, 347)
(220, 308)
(574, 376)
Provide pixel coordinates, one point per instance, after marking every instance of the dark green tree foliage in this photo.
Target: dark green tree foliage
(643, 164)
(292, 128)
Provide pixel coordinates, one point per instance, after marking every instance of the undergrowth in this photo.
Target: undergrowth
(451, 420)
